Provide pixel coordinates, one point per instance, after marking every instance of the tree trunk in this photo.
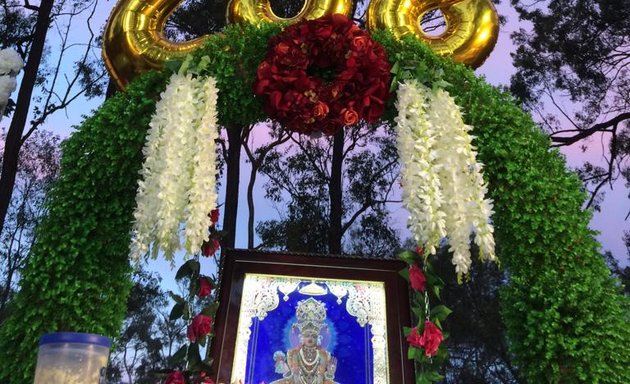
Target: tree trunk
(335, 191)
(250, 204)
(233, 164)
(13, 141)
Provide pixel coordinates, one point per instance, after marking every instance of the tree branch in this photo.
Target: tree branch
(584, 133)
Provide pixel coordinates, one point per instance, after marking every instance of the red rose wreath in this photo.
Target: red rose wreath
(320, 75)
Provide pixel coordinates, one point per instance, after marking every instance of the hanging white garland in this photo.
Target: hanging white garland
(10, 65)
(177, 183)
(422, 191)
(443, 187)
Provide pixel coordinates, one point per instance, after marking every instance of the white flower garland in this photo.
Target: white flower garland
(422, 191)
(202, 196)
(178, 176)
(10, 62)
(443, 186)
(10, 65)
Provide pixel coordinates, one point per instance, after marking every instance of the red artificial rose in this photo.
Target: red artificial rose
(431, 339)
(210, 247)
(374, 111)
(360, 43)
(282, 48)
(414, 339)
(200, 326)
(205, 286)
(214, 216)
(323, 32)
(320, 110)
(349, 116)
(175, 377)
(417, 279)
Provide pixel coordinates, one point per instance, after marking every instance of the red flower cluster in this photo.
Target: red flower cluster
(208, 248)
(205, 286)
(175, 377)
(417, 279)
(320, 75)
(200, 326)
(214, 216)
(430, 339)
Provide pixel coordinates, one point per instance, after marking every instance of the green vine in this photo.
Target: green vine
(566, 320)
(77, 277)
(232, 58)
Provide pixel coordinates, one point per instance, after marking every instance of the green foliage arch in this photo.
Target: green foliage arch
(566, 319)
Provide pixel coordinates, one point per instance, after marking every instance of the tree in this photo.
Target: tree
(572, 71)
(256, 157)
(477, 343)
(148, 337)
(300, 175)
(43, 90)
(621, 273)
(38, 166)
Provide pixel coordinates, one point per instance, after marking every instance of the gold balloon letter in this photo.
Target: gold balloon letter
(472, 26)
(134, 42)
(255, 11)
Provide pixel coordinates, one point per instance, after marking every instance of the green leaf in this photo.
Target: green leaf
(421, 378)
(440, 312)
(186, 312)
(395, 68)
(194, 358)
(408, 256)
(173, 65)
(211, 309)
(189, 269)
(411, 353)
(177, 298)
(178, 357)
(183, 271)
(183, 69)
(437, 291)
(177, 311)
(434, 376)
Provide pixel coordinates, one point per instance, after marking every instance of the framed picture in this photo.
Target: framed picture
(296, 318)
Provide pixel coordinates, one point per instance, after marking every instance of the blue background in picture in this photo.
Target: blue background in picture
(344, 338)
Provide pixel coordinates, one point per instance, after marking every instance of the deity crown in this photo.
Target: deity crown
(310, 314)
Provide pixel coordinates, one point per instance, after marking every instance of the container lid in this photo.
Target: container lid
(75, 337)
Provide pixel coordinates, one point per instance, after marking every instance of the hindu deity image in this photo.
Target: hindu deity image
(309, 362)
(301, 330)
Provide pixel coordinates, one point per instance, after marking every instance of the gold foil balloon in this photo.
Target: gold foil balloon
(255, 11)
(134, 42)
(134, 39)
(472, 26)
